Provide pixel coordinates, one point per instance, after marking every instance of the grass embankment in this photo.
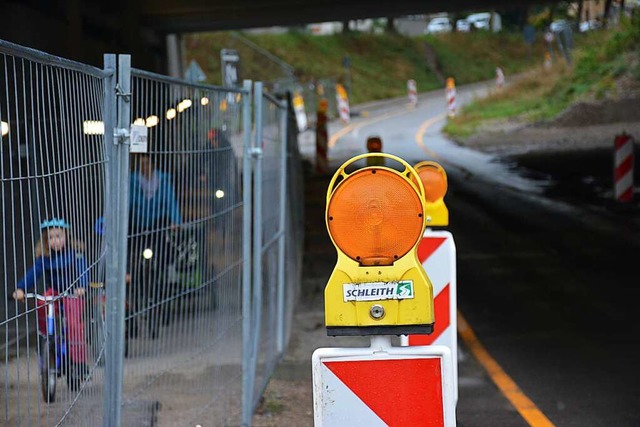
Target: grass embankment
(380, 65)
(606, 64)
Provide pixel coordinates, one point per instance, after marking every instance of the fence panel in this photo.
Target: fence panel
(52, 175)
(184, 318)
(269, 239)
(192, 293)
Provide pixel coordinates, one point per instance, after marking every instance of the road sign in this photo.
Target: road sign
(437, 253)
(230, 61)
(383, 386)
(194, 73)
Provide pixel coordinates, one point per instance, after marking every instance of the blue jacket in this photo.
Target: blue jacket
(147, 213)
(59, 271)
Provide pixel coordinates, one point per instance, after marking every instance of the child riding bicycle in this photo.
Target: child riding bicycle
(60, 263)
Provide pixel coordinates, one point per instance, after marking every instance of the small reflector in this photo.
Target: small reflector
(375, 216)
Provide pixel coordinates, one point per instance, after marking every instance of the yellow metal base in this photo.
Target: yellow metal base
(400, 316)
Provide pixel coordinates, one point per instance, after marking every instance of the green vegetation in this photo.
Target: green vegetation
(473, 57)
(380, 65)
(606, 63)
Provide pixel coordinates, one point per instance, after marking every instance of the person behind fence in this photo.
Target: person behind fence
(60, 264)
(153, 212)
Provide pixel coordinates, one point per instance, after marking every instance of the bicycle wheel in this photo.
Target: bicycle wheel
(48, 374)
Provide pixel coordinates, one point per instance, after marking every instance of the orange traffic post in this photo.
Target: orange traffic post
(322, 138)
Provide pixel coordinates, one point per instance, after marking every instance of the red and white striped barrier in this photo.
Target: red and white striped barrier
(343, 104)
(623, 168)
(381, 386)
(437, 253)
(301, 115)
(451, 97)
(412, 92)
(499, 78)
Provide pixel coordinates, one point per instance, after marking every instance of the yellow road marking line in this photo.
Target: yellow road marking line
(345, 130)
(525, 407)
(423, 129)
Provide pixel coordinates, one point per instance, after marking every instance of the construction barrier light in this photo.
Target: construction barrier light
(375, 218)
(434, 180)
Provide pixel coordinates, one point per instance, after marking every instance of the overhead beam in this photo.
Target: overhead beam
(202, 15)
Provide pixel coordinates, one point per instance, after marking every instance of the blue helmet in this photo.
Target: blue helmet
(54, 223)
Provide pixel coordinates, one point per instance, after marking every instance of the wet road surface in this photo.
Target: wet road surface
(548, 276)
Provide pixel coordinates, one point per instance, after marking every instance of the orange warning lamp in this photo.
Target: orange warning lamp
(434, 180)
(374, 145)
(375, 218)
(451, 83)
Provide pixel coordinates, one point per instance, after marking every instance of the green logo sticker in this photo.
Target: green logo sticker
(405, 289)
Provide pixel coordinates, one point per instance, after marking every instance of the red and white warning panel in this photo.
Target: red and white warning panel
(412, 91)
(623, 168)
(383, 386)
(437, 253)
(343, 103)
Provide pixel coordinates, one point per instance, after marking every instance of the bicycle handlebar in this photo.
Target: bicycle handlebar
(47, 297)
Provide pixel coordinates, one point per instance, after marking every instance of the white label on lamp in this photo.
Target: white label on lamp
(378, 291)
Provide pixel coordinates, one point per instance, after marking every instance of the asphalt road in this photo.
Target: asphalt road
(548, 283)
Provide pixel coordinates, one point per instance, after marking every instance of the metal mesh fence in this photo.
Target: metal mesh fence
(183, 318)
(52, 183)
(270, 199)
(177, 322)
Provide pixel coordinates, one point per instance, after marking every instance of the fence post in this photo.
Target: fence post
(247, 384)
(283, 223)
(256, 279)
(117, 113)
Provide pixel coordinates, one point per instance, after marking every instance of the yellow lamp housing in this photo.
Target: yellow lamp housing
(375, 218)
(434, 180)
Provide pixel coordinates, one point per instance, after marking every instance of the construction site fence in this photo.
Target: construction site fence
(160, 224)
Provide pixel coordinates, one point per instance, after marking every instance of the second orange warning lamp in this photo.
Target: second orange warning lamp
(376, 217)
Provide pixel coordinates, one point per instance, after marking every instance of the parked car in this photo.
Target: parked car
(463, 25)
(325, 28)
(438, 25)
(479, 21)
